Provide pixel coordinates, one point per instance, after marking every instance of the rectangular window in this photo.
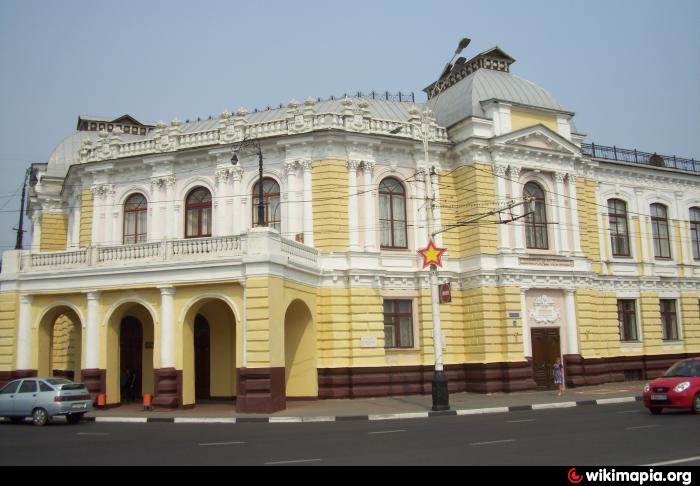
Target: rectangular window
(669, 320)
(398, 324)
(627, 318)
(660, 231)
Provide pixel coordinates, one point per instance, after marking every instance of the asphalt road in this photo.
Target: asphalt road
(624, 434)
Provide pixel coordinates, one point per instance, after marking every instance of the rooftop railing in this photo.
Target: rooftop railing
(641, 158)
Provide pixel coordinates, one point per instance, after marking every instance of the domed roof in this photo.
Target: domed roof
(466, 98)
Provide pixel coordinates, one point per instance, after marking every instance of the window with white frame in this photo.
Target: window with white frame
(669, 320)
(627, 319)
(398, 323)
(536, 219)
(135, 219)
(619, 231)
(695, 232)
(659, 231)
(392, 214)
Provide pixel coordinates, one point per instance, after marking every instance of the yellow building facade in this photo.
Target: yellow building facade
(148, 260)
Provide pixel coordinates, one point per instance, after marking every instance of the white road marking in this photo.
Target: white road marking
(387, 432)
(293, 462)
(399, 416)
(641, 427)
(545, 406)
(608, 401)
(96, 434)
(205, 420)
(214, 444)
(519, 421)
(629, 411)
(675, 461)
(480, 411)
(492, 442)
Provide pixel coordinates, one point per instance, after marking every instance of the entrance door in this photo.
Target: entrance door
(131, 357)
(202, 358)
(545, 350)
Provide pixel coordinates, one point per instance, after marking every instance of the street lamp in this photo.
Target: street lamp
(234, 161)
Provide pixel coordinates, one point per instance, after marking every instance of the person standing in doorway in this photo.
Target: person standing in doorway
(558, 372)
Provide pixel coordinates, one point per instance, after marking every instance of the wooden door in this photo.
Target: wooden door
(545, 350)
(131, 357)
(202, 358)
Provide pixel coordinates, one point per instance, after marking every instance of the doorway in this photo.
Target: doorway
(202, 358)
(131, 359)
(545, 350)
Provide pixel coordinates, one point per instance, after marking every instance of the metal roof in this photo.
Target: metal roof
(464, 98)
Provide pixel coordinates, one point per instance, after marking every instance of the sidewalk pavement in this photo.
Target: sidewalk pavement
(405, 407)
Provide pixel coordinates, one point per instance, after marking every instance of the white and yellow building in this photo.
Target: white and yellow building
(145, 254)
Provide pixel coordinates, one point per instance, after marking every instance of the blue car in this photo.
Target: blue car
(44, 398)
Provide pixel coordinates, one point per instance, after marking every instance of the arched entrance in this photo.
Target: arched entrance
(202, 358)
(301, 373)
(130, 353)
(60, 344)
(209, 343)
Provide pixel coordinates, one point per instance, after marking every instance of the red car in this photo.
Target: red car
(678, 388)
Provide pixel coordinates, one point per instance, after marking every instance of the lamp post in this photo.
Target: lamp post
(234, 161)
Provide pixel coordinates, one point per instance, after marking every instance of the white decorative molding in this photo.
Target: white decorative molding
(544, 311)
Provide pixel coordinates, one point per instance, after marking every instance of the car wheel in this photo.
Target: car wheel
(40, 417)
(656, 411)
(696, 404)
(74, 418)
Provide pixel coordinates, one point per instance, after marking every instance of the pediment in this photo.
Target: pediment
(539, 137)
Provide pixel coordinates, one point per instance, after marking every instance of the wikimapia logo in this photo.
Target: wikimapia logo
(635, 477)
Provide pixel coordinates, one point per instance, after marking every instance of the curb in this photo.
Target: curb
(352, 418)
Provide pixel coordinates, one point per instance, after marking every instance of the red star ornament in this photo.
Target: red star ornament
(432, 254)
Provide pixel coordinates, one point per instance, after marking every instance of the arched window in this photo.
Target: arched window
(619, 233)
(659, 231)
(695, 232)
(536, 220)
(135, 219)
(271, 202)
(198, 214)
(392, 214)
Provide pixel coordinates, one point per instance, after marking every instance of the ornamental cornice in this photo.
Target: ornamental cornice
(101, 191)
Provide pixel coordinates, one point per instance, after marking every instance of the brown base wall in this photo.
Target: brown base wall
(580, 371)
(417, 380)
(167, 388)
(95, 381)
(261, 390)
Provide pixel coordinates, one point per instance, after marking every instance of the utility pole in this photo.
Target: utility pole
(20, 227)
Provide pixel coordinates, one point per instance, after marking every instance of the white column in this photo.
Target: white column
(573, 205)
(97, 214)
(111, 238)
(527, 338)
(237, 177)
(353, 206)
(291, 209)
(92, 332)
(173, 225)
(644, 233)
(562, 228)
(219, 205)
(437, 214)
(167, 327)
(437, 327)
(36, 231)
(571, 328)
(516, 192)
(156, 220)
(503, 240)
(421, 213)
(24, 333)
(308, 206)
(371, 221)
